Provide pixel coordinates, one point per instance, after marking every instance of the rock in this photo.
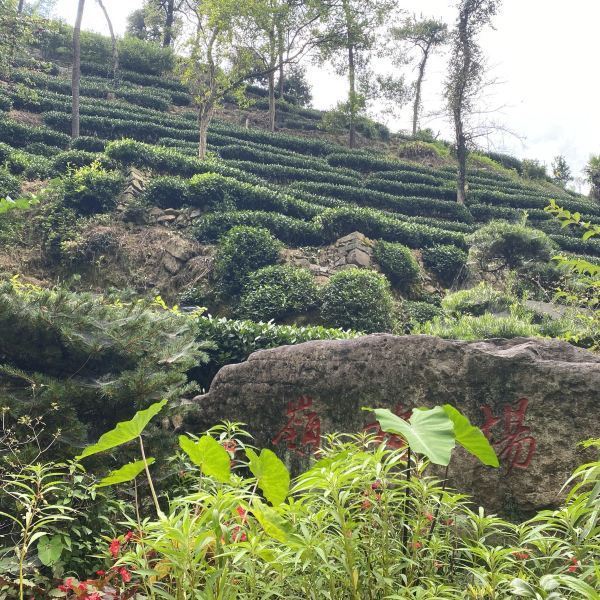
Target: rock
(171, 264)
(165, 219)
(535, 399)
(180, 248)
(359, 258)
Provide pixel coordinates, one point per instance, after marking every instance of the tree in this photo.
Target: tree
(592, 173)
(156, 21)
(466, 77)
(76, 74)
(115, 50)
(349, 32)
(561, 172)
(427, 35)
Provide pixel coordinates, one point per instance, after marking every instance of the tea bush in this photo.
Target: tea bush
(358, 299)
(9, 184)
(277, 292)
(167, 192)
(477, 301)
(91, 189)
(445, 261)
(398, 263)
(241, 251)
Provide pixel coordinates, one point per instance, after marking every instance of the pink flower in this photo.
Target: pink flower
(114, 548)
(128, 536)
(125, 575)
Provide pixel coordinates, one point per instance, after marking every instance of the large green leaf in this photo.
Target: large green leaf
(272, 475)
(428, 432)
(125, 431)
(126, 473)
(471, 438)
(208, 455)
(273, 524)
(50, 549)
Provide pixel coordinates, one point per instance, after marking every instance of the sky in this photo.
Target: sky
(543, 53)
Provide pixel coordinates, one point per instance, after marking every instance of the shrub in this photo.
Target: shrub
(42, 149)
(144, 57)
(9, 184)
(416, 313)
(6, 103)
(481, 299)
(167, 192)
(445, 261)
(88, 143)
(358, 299)
(498, 245)
(73, 159)
(533, 169)
(91, 189)
(277, 292)
(241, 251)
(207, 189)
(397, 262)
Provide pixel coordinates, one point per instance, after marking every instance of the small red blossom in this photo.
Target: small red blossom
(114, 548)
(376, 485)
(242, 512)
(572, 568)
(416, 545)
(448, 522)
(82, 587)
(429, 516)
(521, 555)
(366, 504)
(378, 497)
(93, 596)
(100, 573)
(125, 575)
(128, 536)
(230, 446)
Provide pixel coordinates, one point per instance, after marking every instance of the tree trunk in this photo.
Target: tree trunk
(204, 119)
(76, 76)
(272, 101)
(20, 7)
(461, 158)
(352, 97)
(280, 52)
(418, 84)
(168, 36)
(115, 50)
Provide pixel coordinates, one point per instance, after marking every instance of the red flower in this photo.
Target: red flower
(101, 573)
(114, 548)
(230, 446)
(366, 504)
(125, 575)
(448, 522)
(242, 512)
(82, 587)
(94, 596)
(376, 485)
(572, 568)
(128, 536)
(416, 545)
(521, 555)
(429, 516)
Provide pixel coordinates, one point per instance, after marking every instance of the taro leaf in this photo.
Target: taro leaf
(126, 473)
(50, 549)
(272, 475)
(273, 524)
(471, 438)
(429, 432)
(207, 454)
(125, 431)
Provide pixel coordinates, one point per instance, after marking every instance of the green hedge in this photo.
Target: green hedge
(411, 189)
(397, 262)
(20, 135)
(445, 261)
(10, 185)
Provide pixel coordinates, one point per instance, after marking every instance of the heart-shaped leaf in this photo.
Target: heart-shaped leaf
(207, 454)
(429, 431)
(125, 431)
(471, 438)
(272, 475)
(126, 473)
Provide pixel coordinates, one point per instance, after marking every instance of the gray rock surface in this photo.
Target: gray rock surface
(535, 399)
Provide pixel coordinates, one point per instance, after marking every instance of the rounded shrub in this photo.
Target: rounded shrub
(397, 262)
(500, 244)
(207, 189)
(167, 192)
(88, 143)
(358, 299)
(91, 189)
(9, 184)
(445, 261)
(241, 251)
(144, 57)
(417, 312)
(276, 292)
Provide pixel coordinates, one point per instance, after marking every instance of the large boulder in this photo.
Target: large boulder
(534, 398)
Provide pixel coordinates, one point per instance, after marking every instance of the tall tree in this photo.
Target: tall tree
(76, 74)
(427, 35)
(561, 172)
(466, 77)
(592, 173)
(115, 49)
(350, 31)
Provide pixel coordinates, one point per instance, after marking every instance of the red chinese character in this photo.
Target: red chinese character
(391, 439)
(517, 445)
(302, 432)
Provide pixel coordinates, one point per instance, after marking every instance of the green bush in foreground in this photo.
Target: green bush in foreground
(398, 263)
(277, 292)
(445, 261)
(483, 298)
(243, 250)
(91, 189)
(358, 299)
